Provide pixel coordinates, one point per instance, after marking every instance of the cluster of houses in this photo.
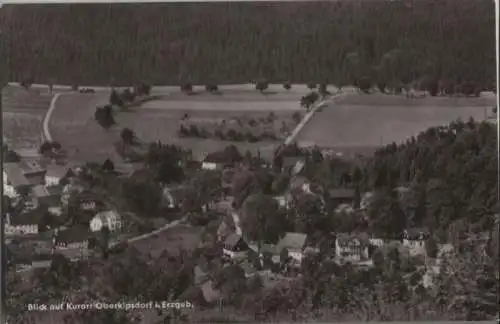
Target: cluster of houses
(39, 196)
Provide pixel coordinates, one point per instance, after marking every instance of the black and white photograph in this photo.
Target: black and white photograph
(249, 162)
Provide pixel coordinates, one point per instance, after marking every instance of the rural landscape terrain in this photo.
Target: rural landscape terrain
(250, 162)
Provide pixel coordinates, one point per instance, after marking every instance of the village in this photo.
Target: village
(41, 196)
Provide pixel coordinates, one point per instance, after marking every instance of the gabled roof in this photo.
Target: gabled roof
(340, 193)
(29, 218)
(15, 175)
(107, 215)
(292, 241)
(232, 239)
(217, 157)
(57, 171)
(30, 167)
(344, 239)
(416, 233)
(39, 191)
(73, 234)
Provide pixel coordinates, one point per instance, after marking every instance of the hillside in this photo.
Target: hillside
(236, 42)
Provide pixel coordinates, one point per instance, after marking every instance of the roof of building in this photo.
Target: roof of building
(416, 233)
(107, 215)
(217, 157)
(32, 217)
(57, 171)
(232, 239)
(341, 193)
(30, 166)
(40, 191)
(344, 239)
(73, 234)
(15, 175)
(292, 241)
(28, 153)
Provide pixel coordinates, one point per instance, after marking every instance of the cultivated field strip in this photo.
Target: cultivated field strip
(233, 106)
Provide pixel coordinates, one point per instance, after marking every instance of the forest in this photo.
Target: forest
(223, 43)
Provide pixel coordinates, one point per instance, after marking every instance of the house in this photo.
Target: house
(44, 196)
(32, 170)
(295, 244)
(23, 224)
(234, 246)
(414, 239)
(216, 161)
(110, 218)
(76, 237)
(56, 173)
(351, 247)
(15, 183)
(340, 196)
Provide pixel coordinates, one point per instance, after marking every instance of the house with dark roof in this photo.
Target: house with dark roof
(14, 180)
(217, 160)
(32, 170)
(295, 244)
(24, 223)
(76, 237)
(234, 246)
(56, 173)
(341, 196)
(45, 197)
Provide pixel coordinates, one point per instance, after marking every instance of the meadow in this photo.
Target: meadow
(22, 130)
(360, 123)
(73, 124)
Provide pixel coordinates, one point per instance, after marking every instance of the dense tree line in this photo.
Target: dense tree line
(332, 42)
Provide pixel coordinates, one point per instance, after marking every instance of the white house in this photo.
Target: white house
(56, 173)
(414, 239)
(351, 247)
(110, 217)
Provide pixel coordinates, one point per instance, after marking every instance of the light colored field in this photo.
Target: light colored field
(22, 130)
(364, 121)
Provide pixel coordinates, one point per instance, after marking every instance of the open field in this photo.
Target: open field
(22, 130)
(73, 125)
(360, 123)
(151, 125)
